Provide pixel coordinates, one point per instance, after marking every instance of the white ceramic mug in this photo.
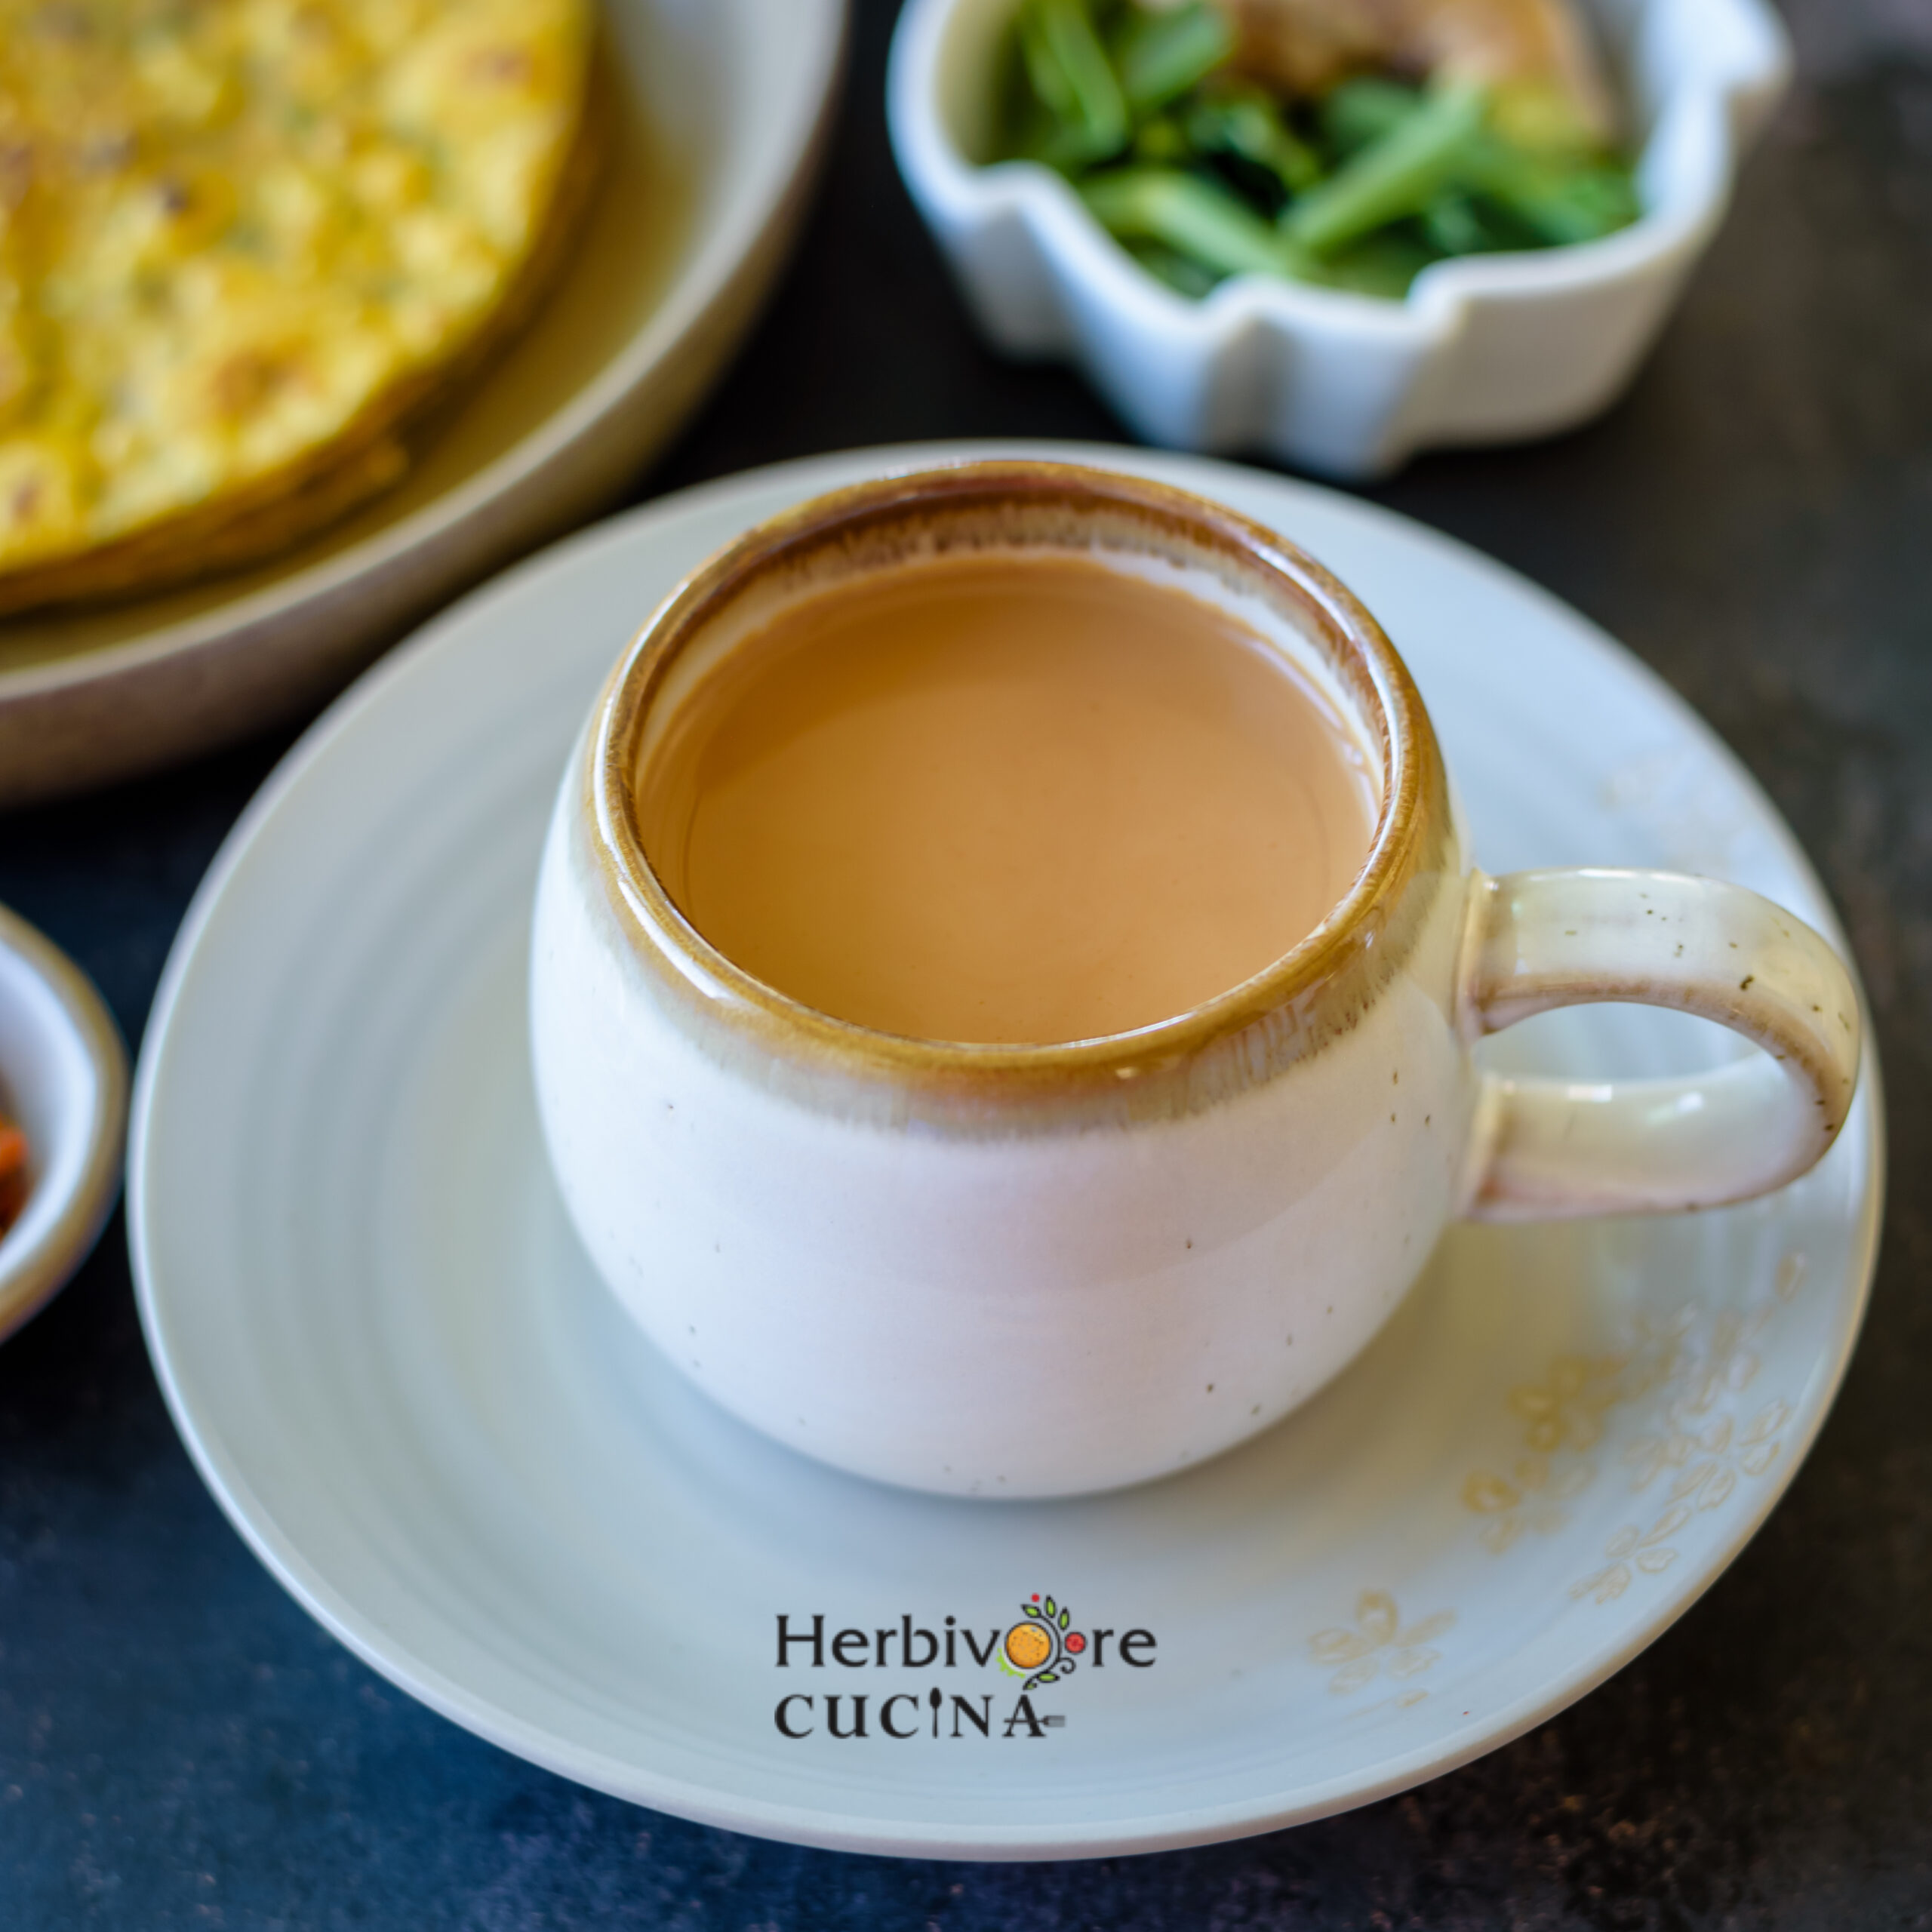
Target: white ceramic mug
(1023, 1271)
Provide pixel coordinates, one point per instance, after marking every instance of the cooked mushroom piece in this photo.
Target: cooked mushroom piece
(1535, 57)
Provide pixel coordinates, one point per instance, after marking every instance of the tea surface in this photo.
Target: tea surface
(1022, 799)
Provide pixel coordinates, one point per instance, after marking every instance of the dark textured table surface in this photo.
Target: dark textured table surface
(179, 1746)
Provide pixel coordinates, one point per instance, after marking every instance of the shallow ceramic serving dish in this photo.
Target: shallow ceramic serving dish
(1491, 349)
(398, 1372)
(63, 1077)
(716, 115)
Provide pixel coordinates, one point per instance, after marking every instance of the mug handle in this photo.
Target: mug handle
(1546, 1149)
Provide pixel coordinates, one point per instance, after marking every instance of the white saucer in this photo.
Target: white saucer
(397, 1373)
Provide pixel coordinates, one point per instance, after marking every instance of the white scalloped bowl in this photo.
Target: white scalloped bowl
(1486, 350)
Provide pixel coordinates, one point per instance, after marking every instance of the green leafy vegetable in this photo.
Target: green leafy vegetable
(1245, 123)
(1072, 78)
(1396, 175)
(1200, 174)
(1359, 112)
(1160, 55)
(1192, 214)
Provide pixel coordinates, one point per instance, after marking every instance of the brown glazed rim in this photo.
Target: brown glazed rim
(726, 993)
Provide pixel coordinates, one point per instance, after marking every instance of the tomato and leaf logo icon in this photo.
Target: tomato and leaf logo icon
(1043, 1643)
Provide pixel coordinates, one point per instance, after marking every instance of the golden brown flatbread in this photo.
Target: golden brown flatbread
(244, 242)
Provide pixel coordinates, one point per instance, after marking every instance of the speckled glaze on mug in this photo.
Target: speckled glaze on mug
(1024, 1271)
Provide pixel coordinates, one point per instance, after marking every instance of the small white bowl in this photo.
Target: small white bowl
(1487, 348)
(63, 1077)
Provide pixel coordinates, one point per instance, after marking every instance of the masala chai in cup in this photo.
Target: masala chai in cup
(1020, 797)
